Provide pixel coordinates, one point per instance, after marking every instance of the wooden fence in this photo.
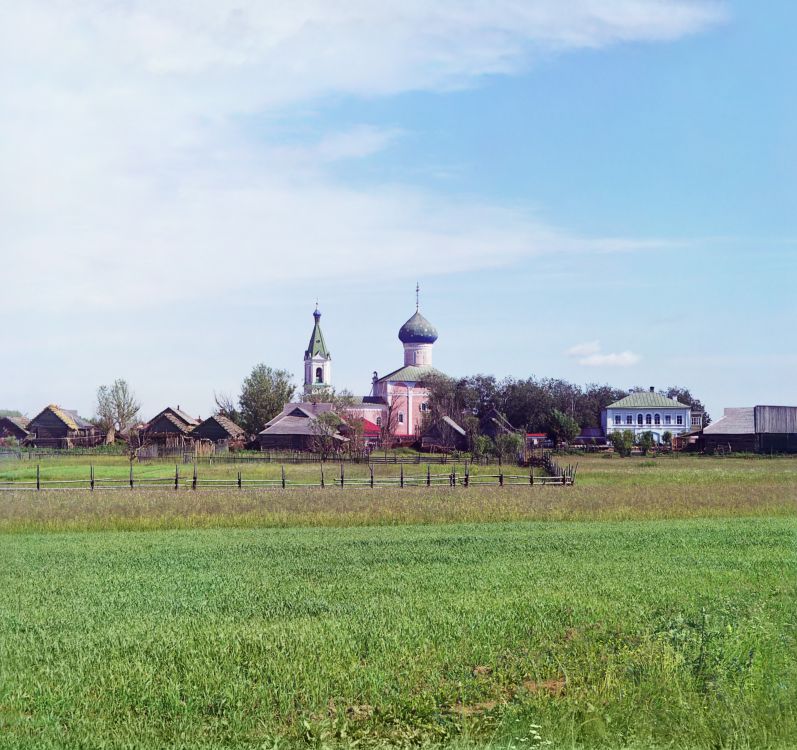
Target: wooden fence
(459, 476)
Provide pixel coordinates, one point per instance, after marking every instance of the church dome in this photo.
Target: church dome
(417, 330)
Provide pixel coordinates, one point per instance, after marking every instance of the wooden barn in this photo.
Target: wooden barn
(170, 428)
(294, 428)
(493, 424)
(220, 431)
(14, 427)
(753, 429)
(444, 435)
(55, 427)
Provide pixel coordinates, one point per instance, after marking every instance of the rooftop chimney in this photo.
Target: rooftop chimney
(652, 389)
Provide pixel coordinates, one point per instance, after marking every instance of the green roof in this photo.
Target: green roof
(411, 373)
(647, 400)
(317, 346)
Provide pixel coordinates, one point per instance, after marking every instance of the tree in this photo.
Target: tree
(646, 442)
(225, 407)
(510, 444)
(667, 438)
(325, 427)
(562, 427)
(622, 442)
(117, 406)
(263, 394)
(10, 413)
(482, 446)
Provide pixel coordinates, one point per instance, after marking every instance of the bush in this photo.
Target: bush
(645, 442)
(623, 442)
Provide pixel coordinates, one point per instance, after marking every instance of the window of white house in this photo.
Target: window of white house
(679, 419)
(401, 417)
(617, 419)
(667, 419)
(696, 421)
(657, 419)
(639, 419)
(629, 419)
(647, 419)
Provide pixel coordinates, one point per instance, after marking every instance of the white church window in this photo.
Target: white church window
(401, 417)
(424, 406)
(319, 375)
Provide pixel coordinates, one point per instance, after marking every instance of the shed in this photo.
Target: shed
(294, 428)
(218, 428)
(170, 428)
(15, 427)
(444, 434)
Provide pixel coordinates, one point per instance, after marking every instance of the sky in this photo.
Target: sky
(597, 190)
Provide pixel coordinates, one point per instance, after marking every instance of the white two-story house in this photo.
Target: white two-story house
(647, 411)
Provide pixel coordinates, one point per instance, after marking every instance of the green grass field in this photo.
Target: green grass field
(651, 606)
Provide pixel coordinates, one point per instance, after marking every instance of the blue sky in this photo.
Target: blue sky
(600, 191)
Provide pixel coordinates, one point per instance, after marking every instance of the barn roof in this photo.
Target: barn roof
(647, 400)
(233, 430)
(69, 417)
(735, 421)
(21, 422)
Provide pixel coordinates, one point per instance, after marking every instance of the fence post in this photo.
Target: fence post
(500, 477)
(531, 475)
(322, 475)
(176, 477)
(91, 481)
(467, 474)
(283, 476)
(193, 481)
(401, 484)
(342, 476)
(240, 483)
(131, 476)
(371, 467)
(428, 476)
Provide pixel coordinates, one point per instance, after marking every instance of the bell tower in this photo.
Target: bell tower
(317, 359)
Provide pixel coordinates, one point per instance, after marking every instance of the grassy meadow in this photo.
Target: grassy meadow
(650, 606)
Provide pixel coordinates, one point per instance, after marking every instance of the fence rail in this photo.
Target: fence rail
(457, 477)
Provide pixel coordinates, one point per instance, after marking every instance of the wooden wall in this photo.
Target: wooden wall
(777, 420)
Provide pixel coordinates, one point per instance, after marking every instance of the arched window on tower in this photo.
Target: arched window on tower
(319, 374)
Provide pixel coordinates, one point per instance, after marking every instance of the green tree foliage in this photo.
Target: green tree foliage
(562, 427)
(509, 445)
(117, 406)
(263, 394)
(667, 438)
(10, 413)
(685, 396)
(646, 442)
(622, 442)
(482, 446)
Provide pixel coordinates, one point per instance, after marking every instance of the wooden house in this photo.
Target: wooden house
(493, 424)
(753, 429)
(220, 431)
(444, 435)
(55, 427)
(170, 428)
(295, 428)
(14, 427)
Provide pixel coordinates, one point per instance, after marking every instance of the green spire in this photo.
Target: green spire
(317, 346)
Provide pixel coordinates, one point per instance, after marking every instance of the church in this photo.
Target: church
(399, 400)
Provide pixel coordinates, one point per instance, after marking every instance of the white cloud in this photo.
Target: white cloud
(130, 167)
(590, 354)
(585, 349)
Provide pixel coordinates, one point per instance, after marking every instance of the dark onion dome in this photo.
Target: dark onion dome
(417, 330)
